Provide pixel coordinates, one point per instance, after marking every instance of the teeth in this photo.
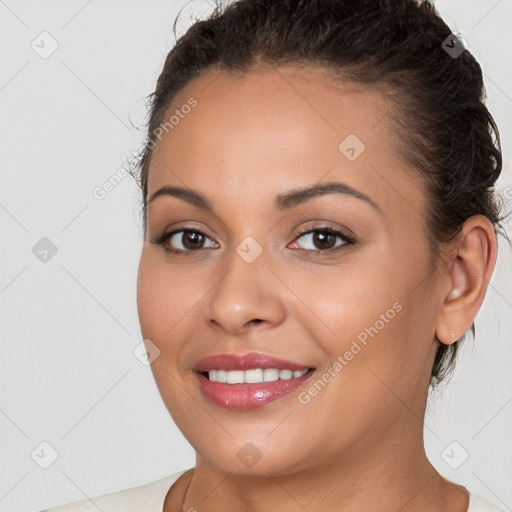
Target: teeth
(235, 377)
(285, 374)
(270, 374)
(254, 376)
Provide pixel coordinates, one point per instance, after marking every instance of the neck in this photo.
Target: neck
(370, 476)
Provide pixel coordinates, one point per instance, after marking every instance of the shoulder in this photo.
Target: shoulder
(143, 498)
(478, 504)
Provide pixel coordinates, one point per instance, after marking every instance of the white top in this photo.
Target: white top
(150, 498)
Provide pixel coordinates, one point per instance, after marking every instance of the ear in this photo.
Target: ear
(470, 267)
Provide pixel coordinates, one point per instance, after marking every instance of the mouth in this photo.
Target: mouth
(247, 381)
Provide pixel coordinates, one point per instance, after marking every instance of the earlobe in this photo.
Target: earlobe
(468, 274)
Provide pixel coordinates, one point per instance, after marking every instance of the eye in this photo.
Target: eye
(187, 242)
(183, 241)
(323, 239)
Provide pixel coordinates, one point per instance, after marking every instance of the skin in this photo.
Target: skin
(358, 444)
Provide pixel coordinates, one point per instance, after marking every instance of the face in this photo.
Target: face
(337, 281)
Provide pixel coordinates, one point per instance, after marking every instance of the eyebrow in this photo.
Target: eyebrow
(284, 201)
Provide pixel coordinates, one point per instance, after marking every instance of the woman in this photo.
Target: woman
(320, 229)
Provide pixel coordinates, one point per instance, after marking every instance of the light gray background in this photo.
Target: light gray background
(68, 327)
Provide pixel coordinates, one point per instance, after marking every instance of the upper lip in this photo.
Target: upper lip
(246, 362)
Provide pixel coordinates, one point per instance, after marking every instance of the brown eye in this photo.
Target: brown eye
(191, 240)
(319, 240)
(186, 241)
(324, 240)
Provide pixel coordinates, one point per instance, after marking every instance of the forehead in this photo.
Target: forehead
(278, 127)
(274, 98)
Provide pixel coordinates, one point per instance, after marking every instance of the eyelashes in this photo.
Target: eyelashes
(317, 235)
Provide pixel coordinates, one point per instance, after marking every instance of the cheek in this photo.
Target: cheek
(159, 302)
(364, 311)
(169, 301)
(345, 299)
(162, 309)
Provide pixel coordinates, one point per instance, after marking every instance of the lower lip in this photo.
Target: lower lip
(248, 396)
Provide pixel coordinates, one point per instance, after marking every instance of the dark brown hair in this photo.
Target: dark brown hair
(400, 46)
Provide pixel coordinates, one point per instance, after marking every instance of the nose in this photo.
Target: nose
(247, 296)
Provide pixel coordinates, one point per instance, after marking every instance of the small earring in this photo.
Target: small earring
(453, 337)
